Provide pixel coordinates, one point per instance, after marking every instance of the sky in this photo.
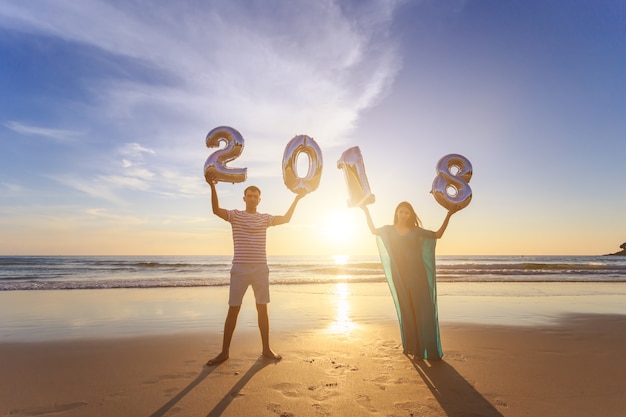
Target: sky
(105, 107)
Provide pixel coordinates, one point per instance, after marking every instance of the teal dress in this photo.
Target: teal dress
(409, 264)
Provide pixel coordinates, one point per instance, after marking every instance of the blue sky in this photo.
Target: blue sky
(105, 106)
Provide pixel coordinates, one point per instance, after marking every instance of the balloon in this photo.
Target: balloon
(359, 193)
(216, 162)
(450, 187)
(298, 144)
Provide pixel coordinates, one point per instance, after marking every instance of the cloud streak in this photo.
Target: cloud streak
(230, 58)
(57, 135)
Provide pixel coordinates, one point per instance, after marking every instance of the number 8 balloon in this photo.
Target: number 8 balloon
(450, 188)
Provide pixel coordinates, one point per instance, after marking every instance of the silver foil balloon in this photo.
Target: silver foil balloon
(351, 162)
(311, 181)
(216, 162)
(451, 185)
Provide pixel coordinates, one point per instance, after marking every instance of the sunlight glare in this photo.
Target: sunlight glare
(340, 226)
(343, 323)
(341, 259)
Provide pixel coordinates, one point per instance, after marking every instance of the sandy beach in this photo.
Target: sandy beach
(342, 356)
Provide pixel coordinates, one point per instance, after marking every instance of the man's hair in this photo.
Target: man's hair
(252, 188)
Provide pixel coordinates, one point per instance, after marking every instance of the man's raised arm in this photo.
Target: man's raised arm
(215, 204)
(287, 216)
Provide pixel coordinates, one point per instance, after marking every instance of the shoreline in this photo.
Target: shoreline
(76, 314)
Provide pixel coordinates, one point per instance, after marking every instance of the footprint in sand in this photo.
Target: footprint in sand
(337, 368)
(501, 403)
(320, 411)
(173, 411)
(288, 389)
(45, 410)
(167, 377)
(278, 410)
(118, 395)
(455, 357)
(381, 381)
(417, 409)
(365, 402)
(171, 391)
(325, 391)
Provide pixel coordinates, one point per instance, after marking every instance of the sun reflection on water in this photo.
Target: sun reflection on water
(341, 259)
(342, 323)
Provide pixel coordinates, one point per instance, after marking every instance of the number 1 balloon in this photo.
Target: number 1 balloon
(450, 187)
(359, 193)
(309, 183)
(216, 162)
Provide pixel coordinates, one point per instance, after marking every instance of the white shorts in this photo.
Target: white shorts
(243, 275)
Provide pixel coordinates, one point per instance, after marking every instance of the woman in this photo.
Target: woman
(408, 256)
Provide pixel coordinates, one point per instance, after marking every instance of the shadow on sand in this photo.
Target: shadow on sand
(168, 405)
(455, 395)
(261, 363)
(217, 411)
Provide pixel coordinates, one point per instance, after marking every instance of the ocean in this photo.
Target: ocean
(106, 272)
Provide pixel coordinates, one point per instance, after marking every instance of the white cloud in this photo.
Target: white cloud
(118, 219)
(121, 181)
(93, 188)
(301, 64)
(10, 188)
(271, 70)
(134, 150)
(57, 135)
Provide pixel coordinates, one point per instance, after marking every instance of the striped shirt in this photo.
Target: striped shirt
(249, 236)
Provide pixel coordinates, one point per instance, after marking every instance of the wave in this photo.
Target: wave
(532, 269)
(187, 283)
(42, 273)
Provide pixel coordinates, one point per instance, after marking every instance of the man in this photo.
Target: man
(249, 266)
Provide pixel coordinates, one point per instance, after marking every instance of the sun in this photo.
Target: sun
(341, 226)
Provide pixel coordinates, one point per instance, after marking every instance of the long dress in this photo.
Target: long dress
(409, 264)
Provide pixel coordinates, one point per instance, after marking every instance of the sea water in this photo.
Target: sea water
(105, 272)
(59, 297)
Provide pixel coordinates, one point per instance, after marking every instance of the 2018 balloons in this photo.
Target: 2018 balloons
(450, 187)
(217, 161)
(309, 183)
(359, 193)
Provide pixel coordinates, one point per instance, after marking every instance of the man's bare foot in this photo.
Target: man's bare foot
(218, 359)
(271, 355)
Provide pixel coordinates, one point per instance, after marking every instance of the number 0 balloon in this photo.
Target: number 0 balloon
(450, 187)
(217, 161)
(309, 183)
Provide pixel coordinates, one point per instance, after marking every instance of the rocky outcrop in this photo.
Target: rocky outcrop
(622, 252)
